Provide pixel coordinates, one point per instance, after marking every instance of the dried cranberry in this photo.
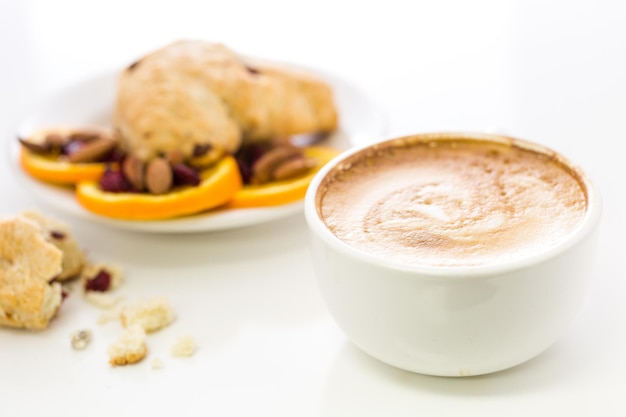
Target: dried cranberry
(113, 181)
(245, 170)
(115, 155)
(185, 175)
(247, 156)
(252, 70)
(55, 234)
(256, 151)
(101, 282)
(201, 149)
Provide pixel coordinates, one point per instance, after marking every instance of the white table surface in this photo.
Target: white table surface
(549, 71)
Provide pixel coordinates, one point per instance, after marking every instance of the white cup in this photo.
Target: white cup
(452, 321)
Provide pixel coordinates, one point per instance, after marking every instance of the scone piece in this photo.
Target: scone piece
(59, 234)
(184, 347)
(101, 277)
(99, 282)
(129, 348)
(192, 93)
(29, 264)
(151, 315)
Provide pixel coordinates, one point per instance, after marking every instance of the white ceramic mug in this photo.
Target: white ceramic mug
(452, 321)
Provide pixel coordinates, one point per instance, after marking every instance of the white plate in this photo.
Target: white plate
(90, 103)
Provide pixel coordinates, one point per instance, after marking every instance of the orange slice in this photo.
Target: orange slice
(218, 185)
(56, 171)
(282, 192)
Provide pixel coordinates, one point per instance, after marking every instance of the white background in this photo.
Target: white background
(549, 71)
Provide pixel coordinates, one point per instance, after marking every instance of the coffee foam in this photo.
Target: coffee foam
(451, 202)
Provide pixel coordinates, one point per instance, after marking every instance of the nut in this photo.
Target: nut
(133, 170)
(92, 150)
(37, 148)
(263, 168)
(55, 140)
(85, 135)
(175, 157)
(293, 167)
(81, 339)
(159, 177)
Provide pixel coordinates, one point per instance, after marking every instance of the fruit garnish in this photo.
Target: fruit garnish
(112, 184)
(278, 192)
(66, 156)
(57, 171)
(218, 184)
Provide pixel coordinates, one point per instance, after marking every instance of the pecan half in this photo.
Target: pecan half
(34, 147)
(293, 167)
(92, 150)
(86, 135)
(263, 168)
(55, 140)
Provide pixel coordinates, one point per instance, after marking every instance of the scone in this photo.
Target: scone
(59, 234)
(29, 264)
(193, 94)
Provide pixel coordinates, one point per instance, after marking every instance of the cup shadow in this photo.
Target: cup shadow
(359, 384)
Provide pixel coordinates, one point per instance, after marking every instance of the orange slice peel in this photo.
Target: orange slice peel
(56, 171)
(218, 185)
(282, 192)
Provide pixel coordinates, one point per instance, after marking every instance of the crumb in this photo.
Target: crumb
(151, 315)
(156, 363)
(81, 339)
(129, 348)
(184, 347)
(102, 299)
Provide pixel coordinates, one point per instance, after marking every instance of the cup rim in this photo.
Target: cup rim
(587, 225)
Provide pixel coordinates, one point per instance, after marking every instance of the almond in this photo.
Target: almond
(159, 177)
(175, 157)
(133, 169)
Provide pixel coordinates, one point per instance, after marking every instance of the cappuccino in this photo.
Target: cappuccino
(452, 200)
